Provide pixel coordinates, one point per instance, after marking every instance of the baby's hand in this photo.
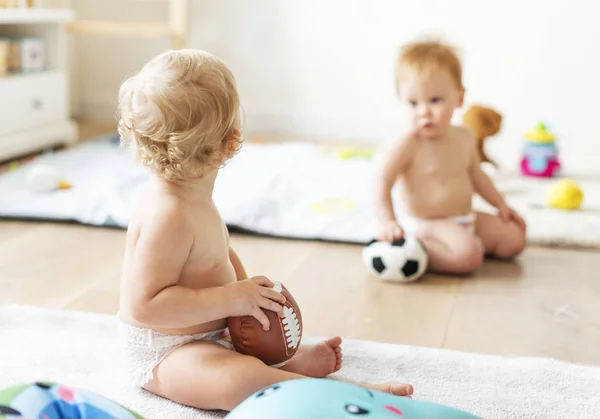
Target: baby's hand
(250, 296)
(507, 214)
(389, 231)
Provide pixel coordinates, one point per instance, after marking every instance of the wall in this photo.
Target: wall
(324, 68)
(103, 63)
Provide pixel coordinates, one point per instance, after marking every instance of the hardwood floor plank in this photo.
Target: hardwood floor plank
(549, 307)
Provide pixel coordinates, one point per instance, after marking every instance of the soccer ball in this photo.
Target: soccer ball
(404, 260)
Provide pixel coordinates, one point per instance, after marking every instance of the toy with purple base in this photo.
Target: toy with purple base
(540, 155)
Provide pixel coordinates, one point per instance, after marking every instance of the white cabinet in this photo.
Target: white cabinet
(34, 107)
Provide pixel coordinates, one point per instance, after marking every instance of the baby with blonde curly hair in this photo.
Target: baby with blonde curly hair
(181, 125)
(181, 279)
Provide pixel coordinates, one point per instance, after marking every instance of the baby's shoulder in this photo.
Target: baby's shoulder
(398, 149)
(162, 215)
(461, 132)
(462, 135)
(404, 141)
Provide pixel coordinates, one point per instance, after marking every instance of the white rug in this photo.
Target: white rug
(82, 350)
(295, 190)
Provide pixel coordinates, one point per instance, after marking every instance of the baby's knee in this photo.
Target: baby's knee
(513, 245)
(467, 260)
(237, 372)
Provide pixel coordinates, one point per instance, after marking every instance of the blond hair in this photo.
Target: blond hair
(425, 57)
(181, 114)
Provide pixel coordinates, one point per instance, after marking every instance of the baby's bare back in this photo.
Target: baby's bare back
(206, 265)
(437, 182)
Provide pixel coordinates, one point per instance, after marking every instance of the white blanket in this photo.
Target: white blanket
(82, 349)
(295, 190)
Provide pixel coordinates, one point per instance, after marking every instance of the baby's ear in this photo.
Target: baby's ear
(232, 143)
(461, 97)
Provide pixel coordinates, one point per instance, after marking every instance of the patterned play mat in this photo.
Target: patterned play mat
(293, 190)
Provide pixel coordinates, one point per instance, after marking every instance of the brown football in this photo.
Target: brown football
(280, 343)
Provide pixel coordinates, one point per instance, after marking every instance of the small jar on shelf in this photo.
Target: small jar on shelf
(4, 55)
(17, 3)
(27, 54)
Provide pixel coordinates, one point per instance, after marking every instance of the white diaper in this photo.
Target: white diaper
(411, 224)
(143, 349)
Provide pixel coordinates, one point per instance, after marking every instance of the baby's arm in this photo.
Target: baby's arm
(395, 162)
(236, 262)
(157, 300)
(483, 186)
(238, 266)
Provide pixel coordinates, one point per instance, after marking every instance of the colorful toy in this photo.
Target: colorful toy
(57, 401)
(484, 122)
(45, 179)
(404, 260)
(540, 155)
(311, 398)
(565, 194)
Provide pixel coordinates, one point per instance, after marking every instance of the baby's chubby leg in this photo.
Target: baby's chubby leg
(451, 247)
(208, 376)
(501, 239)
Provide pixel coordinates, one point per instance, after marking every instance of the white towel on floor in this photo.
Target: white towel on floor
(82, 350)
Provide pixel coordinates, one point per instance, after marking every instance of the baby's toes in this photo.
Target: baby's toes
(338, 364)
(334, 342)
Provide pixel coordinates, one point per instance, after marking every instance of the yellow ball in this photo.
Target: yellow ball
(565, 194)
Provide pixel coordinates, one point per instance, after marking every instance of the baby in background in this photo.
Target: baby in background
(181, 279)
(434, 170)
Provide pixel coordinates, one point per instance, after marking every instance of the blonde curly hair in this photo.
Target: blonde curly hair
(180, 113)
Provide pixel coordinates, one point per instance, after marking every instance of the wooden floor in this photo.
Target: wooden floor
(545, 304)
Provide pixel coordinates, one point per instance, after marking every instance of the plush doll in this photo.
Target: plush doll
(317, 398)
(484, 122)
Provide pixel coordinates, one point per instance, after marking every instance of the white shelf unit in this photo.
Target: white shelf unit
(25, 16)
(34, 107)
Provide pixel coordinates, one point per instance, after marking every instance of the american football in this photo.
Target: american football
(276, 346)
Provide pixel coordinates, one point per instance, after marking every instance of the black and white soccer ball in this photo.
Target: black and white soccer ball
(404, 260)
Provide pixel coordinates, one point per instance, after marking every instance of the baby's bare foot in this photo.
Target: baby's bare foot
(317, 361)
(396, 388)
